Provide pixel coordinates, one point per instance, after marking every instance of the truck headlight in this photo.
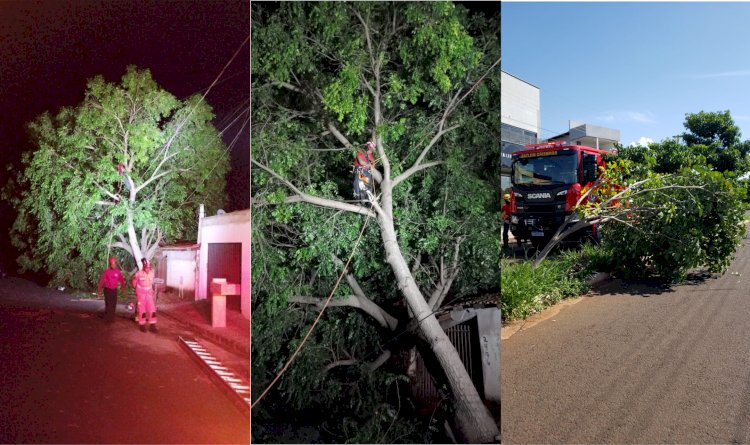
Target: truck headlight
(514, 219)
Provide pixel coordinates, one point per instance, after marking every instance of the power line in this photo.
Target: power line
(555, 133)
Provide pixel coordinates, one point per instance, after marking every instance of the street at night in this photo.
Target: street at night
(70, 378)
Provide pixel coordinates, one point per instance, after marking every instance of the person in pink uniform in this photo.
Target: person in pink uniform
(143, 282)
(109, 281)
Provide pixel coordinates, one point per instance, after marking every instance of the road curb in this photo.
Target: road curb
(512, 328)
(233, 345)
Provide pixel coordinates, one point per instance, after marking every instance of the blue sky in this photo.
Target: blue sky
(636, 67)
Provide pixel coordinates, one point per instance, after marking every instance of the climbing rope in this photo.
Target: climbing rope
(322, 310)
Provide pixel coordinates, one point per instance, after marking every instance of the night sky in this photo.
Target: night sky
(49, 49)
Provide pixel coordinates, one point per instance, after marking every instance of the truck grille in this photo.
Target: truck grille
(539, 208)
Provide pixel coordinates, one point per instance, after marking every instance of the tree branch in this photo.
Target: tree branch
(372, 366)
(314, 200)
(446, 278)
(385, 319)
(123, 246)
(416, 166)
(341, 138)
(288, 86)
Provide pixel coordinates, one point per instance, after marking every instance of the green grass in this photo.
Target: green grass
(525, 291)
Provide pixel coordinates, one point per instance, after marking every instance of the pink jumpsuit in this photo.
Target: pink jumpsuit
(144, 293)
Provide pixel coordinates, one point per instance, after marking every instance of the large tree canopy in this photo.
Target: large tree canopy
(668, 207)
(75, 205)
(421, 80)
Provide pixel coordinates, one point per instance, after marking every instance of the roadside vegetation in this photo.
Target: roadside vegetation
(662, 209)
(526, 291)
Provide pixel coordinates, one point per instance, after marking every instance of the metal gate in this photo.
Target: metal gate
(465, 338)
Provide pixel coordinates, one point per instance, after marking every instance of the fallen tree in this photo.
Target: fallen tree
(417, 80)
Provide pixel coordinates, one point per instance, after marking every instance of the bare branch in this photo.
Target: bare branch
(336, 133)
(288, 86)
(476, 84)
(446, 277)
(372, 366)
(416, 166)
(315, 200)
(341, 138)
(337, 363)
(385, 319)
(124, 246)
(154, 175)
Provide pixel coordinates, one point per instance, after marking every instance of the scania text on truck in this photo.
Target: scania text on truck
(546, 185)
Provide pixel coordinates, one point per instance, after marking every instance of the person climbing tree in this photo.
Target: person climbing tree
(363, 164)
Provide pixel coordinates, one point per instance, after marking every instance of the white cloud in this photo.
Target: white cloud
(643, 118)
(721, 74)
(643, 141)
(621, 117)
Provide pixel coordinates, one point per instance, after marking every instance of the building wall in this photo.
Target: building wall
(228, 228)
(519, 103)
(181, 270)
(520, 118)
(588, 135)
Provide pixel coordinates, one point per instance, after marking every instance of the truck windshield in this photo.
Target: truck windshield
(561, 168)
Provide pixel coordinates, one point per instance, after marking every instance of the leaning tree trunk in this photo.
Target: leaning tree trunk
(473, 420)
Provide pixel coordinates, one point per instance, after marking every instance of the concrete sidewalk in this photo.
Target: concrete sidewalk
(196, 316)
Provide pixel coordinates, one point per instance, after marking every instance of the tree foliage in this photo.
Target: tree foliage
(676, 222)
(419, 79)
(74, 206)
(668, 207)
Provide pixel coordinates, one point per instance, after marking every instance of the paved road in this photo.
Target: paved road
(66, 377)
(636, 363)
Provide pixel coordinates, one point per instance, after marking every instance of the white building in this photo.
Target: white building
(520, 119)
(225, 253)
(588, 135)
(221, 251)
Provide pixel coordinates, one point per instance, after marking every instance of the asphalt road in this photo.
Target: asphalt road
(636, 363)
(66, 377)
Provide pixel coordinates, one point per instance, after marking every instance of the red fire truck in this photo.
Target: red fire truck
(547, 180)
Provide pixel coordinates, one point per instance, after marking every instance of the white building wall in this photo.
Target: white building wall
(181, 269)
(228, 228)
(519, 103)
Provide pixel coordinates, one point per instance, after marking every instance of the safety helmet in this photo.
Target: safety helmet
(506, 196)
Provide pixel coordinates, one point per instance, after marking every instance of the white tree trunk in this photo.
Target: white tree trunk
(133, 240)
(473, 420)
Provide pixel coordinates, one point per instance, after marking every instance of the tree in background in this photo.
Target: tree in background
(421, 80)
(122, 171)
(715, 136)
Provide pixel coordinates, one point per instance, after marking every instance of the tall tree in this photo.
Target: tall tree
(715, 136)
(421, 80)
(122, 171)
